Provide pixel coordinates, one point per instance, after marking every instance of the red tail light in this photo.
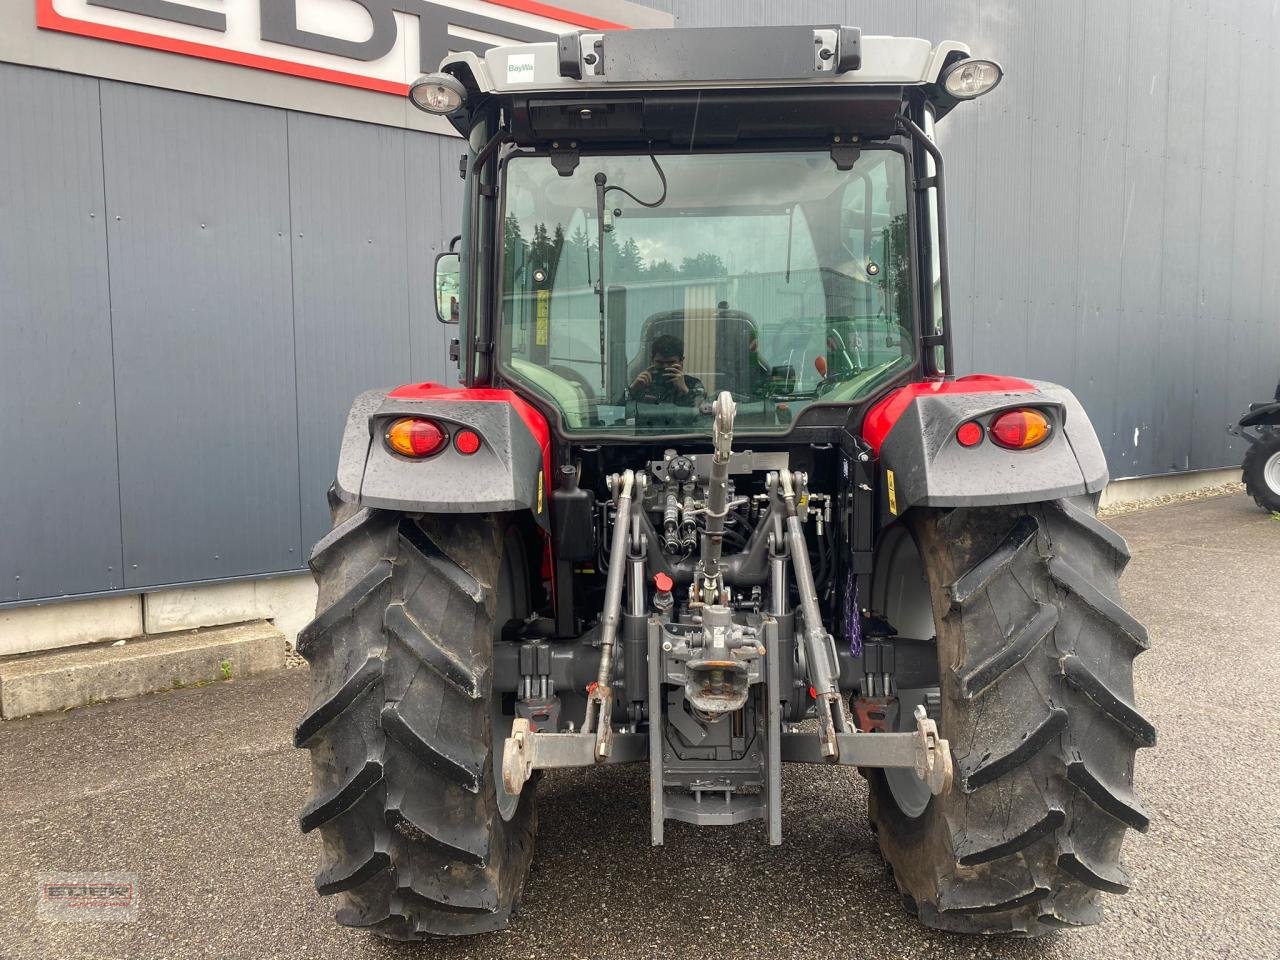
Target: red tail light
(969, 434)
(415, 437)
(466, 441)
(1020, 429)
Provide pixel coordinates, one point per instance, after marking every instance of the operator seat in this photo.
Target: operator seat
(717, 347)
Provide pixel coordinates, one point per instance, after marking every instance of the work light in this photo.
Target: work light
(438, 93)
(969, 79)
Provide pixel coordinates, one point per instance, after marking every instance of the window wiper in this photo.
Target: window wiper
(602, 189)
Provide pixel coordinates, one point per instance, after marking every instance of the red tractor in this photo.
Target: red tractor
(709, 497)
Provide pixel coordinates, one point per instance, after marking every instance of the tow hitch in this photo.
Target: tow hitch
(527, 750)
(921, 750)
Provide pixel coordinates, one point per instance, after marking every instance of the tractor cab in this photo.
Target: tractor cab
(659, 216)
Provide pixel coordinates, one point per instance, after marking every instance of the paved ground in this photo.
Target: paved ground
(196, 791)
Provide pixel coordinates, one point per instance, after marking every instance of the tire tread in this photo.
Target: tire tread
(1036, 659)
(398, 727)
(1252, 467)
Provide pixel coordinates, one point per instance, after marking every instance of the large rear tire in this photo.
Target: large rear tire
(1036, 698)
(420, 837)
(1262, 471)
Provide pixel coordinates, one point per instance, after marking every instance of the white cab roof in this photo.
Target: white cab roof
(535, 68)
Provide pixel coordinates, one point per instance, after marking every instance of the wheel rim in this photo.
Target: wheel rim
(513, 590)
(507, 802)
(901, 591)
(1271, 473)
(910, 793)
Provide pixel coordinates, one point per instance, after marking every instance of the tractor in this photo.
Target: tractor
(709, 496)
(1260, 428)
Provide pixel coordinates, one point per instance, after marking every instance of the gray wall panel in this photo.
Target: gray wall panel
(59, 508)
(1262, 337)
(999, 328)
(197, 201)
(1248, 164)
(1211, 351)
(1101, 216)
(1226, 264)
(1053, 318)
(1256, 202)
(350, 285)
(433, 196)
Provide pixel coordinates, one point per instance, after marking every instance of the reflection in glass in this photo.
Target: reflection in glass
(775, 276)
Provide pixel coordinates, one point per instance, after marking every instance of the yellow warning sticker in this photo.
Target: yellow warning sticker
(893, 494)
(539, 510)
(541, 332)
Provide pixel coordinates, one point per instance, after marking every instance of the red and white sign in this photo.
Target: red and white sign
(379, 45)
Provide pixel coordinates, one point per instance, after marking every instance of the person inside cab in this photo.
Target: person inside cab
(664, 379)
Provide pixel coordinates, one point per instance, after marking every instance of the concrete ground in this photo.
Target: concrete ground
(196, 791)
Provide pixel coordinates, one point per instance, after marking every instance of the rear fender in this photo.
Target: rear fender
(923, 464)
(1262, 415)
(508, 472)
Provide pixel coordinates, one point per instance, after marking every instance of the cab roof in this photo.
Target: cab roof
(699, 58)
(705, 85)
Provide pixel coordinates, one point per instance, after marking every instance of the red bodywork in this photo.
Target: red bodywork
(881, 418)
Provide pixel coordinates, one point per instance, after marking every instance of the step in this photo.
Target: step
(46, 682)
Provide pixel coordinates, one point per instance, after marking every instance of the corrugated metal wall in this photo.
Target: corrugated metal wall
(1114, 204)
(192, 290)
(59, 480)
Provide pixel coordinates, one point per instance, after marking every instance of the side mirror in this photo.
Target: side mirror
(448, 287)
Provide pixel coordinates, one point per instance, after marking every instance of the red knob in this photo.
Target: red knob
(662, 582)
